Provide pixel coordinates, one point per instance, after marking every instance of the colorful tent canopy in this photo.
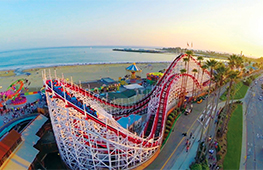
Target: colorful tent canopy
(133, 68)
(133, 86)
(155, 74)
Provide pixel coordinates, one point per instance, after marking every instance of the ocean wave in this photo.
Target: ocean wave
(66, 56)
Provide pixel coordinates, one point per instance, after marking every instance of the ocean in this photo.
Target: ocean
(56, 56)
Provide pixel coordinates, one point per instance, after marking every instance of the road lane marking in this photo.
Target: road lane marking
(178, 145)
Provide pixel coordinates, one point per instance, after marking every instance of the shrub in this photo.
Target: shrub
(168, 127)
(167, 131)
(247, 82)
(218, 148)
(253, 77)
(196, 167)
(170, 117)
(169, 122)
(218, 157)
(205, 165)
(172, 114)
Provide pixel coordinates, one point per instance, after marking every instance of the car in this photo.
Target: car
(188, 111)
(260, 98)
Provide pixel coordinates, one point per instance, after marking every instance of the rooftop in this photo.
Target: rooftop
(25, 153)
(8, 141)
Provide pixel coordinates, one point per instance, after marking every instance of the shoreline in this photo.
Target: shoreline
(24, 69)
(81, 72)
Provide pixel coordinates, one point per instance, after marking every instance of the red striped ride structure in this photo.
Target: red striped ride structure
(87, 133)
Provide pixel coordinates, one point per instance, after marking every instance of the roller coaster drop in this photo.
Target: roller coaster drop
(87, 133)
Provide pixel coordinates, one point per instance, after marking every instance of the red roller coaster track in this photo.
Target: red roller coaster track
(156, 104)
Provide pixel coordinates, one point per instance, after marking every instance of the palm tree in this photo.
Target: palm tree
(204, 67)
(232, 61)
(239, 63)
(186, 60)
(210, 64)
(219, 78)
(185, 63)
(233, 76)
(189, 54)
(181, 99)
(199, 59)
(193, 91)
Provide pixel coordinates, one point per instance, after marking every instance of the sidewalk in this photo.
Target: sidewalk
(186, 158)
(243, 158)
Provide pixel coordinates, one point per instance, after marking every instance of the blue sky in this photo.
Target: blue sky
(225, 26)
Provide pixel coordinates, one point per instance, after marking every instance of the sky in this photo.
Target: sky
(228, 26)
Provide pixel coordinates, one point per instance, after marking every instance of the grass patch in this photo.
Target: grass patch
(234, 139)
(240, 91)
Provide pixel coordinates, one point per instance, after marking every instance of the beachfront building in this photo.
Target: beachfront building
(106, 84)
(17, 150)
(86, 126)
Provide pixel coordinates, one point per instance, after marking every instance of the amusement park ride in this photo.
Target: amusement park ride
(86, 129)
(13, 95)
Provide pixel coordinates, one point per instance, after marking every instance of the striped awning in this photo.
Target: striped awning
(133, 67)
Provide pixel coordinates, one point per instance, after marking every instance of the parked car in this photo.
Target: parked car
(188, 111)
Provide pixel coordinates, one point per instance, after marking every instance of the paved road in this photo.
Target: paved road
(174, 155)
(176, 138)
(253, 158)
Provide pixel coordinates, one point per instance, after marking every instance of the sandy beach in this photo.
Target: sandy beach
(81, 73)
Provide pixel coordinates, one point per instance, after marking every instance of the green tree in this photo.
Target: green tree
(233, 76)
(189, 55)
(181, 99)
(210, 64)
(220, 75)
(199, 59)
(193, 91)
(204, 67)
(232, 60)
